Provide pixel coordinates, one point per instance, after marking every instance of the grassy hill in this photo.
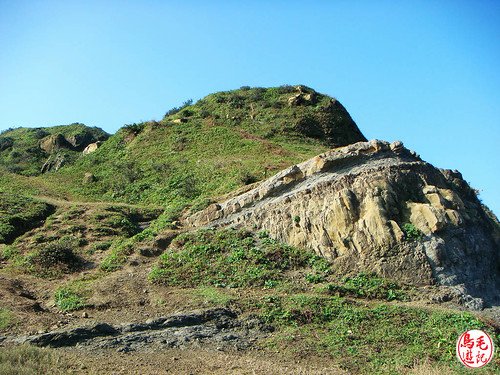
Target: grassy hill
(224, 141)
(195, 153)
(100, 235)
(25, 150)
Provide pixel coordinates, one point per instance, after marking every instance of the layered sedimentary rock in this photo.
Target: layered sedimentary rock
(375, 206)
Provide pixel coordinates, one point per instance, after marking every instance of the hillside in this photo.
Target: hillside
(377, 207)
(255, 225)
(32, 151)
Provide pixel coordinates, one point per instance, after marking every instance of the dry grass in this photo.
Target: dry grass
(24, 360)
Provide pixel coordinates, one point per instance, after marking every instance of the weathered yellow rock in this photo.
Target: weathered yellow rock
(353, 205)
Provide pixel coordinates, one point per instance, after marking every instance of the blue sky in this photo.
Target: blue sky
(424, 72)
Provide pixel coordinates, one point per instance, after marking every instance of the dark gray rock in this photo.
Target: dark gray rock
(220, 327)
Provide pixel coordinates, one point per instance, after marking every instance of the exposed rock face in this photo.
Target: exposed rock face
(77, 142)
(88, 178)
(83, 139)
(53, 143)
(375, 206)
(53, 163)
(215, 327)
(91, 147)
(303, 96)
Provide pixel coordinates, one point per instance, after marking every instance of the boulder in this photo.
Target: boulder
(75, 142)
(86, 137)
(89, 178)
(91, 147)
(304, 96)
(181, 120)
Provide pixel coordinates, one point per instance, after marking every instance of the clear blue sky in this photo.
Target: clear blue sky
(424, 72)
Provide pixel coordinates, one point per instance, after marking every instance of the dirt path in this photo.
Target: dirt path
(62, 202)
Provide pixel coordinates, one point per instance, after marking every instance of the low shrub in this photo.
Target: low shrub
(366, 285)
(412, 233)
(229, 258)
(68, 299)
(55, 257)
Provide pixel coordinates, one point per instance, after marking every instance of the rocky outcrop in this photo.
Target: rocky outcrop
(85, 141)
(54, 143)
(53, 163)
(86, 137)
(219, 328)
(375, 206)
(304, 96)
(88, 178)
(91, 148)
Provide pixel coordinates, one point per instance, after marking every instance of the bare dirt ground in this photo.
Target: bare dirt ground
(126, 296)
(194, 361)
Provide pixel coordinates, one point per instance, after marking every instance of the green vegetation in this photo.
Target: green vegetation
(54, 258)
(369, 286)
(68, 300)
(18, 214)
(370, 339)
(8, 252)
(198, 151)
(229, 258)
(153, 172)
(27, 360)
(6, 318)
(215, 296)
(412, 233)
(118, 254)
(24, 150)
(122, 248)
(74, 294)
(75, 234)
(340, 319)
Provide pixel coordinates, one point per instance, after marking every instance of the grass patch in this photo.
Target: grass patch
(206, 149)
(368, 285)
(28, 360)
(214, 296)
(18, 214)
(228, 258)
(120, 250)
(74, 295)
(9, 252)
(68, 299)
(118, 255)
(367, 339)
(6, 318)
